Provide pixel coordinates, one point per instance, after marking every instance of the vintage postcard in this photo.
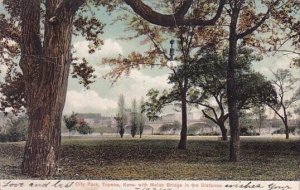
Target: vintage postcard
(149, 95)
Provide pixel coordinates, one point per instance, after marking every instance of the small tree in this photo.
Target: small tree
(120, 125)
(134, 118)
(84, 128)
(121, 117)
(141, 118)
(71, 122)
(285, 83)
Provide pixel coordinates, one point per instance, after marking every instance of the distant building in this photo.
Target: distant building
(96, 119)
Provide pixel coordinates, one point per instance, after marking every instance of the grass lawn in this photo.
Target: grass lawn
(156, 157)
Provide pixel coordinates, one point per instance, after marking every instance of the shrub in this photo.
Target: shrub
(244, 131)
(84, 128)
(16, 130)
(71, 121)
(210, 134)
(3, 137)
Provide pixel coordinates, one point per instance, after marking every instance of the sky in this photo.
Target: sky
(102, 97)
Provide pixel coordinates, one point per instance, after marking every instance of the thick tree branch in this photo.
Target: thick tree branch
(226, 116)
(31, 45)
(207, 106)
(209, 117)
(175, 19)
(258, 24)
(255, 27)
(219, 104)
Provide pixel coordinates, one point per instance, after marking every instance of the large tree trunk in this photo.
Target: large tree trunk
(232, 91)
(45, 70)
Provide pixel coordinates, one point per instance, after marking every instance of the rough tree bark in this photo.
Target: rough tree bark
(234, 36)
(45, 66)
(183, 134)
(285, 121)
(231, 89)
(287, 131)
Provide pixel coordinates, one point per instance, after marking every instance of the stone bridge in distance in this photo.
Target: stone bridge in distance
(155, 125)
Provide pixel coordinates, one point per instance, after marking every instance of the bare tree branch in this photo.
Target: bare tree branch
(209, 117)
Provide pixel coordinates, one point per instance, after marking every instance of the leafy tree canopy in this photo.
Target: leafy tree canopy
(208, 80)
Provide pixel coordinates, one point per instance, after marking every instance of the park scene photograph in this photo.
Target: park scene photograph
(150, 90)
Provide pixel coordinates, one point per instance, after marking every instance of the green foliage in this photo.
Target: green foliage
(157, 101)
(134, 119)
(207, 81)
(209, 74)
(121, 118)
(120, 125)
(71, 121)
(84, 128)
(13, 93)
(15, 130)
(141, 118)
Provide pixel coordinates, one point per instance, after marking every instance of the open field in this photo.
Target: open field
(156, 157)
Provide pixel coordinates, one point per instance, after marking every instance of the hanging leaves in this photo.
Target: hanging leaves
(84, 72)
